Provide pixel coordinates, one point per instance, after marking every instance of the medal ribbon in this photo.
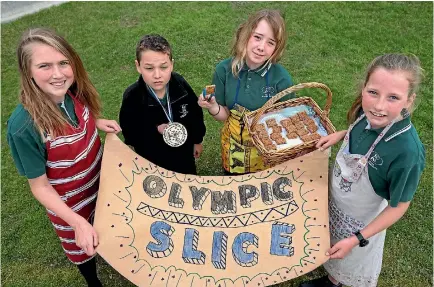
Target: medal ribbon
(167, 112)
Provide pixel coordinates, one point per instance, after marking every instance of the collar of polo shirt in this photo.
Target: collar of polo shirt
(262, 70)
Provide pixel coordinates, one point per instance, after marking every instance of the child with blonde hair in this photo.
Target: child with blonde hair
(245, 82)
(376, 172)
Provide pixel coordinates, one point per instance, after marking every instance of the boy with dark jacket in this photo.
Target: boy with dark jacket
(160, 100)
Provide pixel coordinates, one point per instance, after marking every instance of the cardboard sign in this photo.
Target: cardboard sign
(160, 228)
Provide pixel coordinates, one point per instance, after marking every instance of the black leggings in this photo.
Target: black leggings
(88, 270)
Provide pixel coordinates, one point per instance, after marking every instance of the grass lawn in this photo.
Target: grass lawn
(329, 42)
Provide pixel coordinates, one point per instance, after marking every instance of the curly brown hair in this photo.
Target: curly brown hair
(153, 42)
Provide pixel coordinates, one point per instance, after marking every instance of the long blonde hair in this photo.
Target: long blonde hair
(44, 112)
(245, 30)
(409, 64)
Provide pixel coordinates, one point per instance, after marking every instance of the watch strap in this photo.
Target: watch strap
(362, 241)
(359, 235)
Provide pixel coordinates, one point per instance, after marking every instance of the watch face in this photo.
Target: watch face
(363, 242)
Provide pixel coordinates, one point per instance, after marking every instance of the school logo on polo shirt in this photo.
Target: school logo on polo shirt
(268, 92)
(375, 160)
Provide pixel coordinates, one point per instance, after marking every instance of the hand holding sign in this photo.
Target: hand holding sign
(160, 228)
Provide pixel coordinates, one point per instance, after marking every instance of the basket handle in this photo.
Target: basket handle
(292, 89)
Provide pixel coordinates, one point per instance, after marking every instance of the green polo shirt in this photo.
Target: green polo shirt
(396, 163)
(254, 91)
(26, 144)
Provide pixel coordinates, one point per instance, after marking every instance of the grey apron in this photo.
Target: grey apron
(353, 204)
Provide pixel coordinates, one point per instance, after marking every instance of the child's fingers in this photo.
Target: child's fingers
(325, 146)
(203, 103)
(336, 255)
(335, 248)
(209, 97)
(116, 126)
(90, 250)
(84, 247)
(87, 246)
(212, 100)
(113, 128)
(161, 128)
(321, 143)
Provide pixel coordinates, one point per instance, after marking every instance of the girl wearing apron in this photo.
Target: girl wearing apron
(239, 155)
(244, 83)
(381, 159)
(54, 141)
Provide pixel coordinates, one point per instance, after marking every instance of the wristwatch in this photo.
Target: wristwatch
(362, 241)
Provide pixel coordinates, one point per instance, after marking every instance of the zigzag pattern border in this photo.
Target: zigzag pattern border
(236, 221)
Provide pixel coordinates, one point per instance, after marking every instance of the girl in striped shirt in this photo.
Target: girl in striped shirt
(54, 141)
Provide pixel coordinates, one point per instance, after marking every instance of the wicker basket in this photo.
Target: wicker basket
(274, 157)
